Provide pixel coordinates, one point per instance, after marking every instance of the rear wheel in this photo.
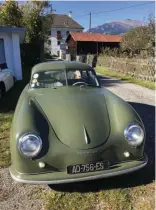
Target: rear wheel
(2, 89)
(0, 93)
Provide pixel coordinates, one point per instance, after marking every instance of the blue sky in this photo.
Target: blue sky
(79, 8)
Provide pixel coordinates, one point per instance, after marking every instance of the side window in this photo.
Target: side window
(84, 74)
(70, 75)
(92, 77)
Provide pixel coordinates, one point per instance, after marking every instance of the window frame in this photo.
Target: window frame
(66, 79)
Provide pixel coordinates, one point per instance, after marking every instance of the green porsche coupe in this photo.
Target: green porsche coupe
(68, 128)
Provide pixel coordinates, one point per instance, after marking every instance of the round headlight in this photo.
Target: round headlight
(134, 134)
(30, 144)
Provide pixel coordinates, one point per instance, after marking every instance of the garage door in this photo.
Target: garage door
(2, 52)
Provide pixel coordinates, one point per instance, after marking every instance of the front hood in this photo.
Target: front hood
(79, 117)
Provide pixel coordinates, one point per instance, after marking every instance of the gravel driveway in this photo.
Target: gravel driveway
(23, 197)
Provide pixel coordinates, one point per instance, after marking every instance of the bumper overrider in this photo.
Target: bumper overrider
(63, 177)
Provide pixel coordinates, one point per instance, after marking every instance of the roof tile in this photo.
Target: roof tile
(92, 37)
(64, 21)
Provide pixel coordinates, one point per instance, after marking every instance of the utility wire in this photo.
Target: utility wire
(96, 13)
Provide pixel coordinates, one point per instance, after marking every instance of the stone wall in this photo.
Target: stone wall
(89, 59)
(143, 69)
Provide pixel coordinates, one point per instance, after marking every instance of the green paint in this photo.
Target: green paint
(60, 115)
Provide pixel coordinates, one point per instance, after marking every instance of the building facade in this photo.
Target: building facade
(10, 57)
(90, 43)
(62, 26)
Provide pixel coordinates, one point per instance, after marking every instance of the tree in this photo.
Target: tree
(139, 38)
(36, 20)
(135, 39)
(34, 17)
(151, 28)
(10, 14)
(38, 23)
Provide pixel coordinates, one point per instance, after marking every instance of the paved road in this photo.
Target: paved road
(18, 196)
(129, 92)
(143, 101)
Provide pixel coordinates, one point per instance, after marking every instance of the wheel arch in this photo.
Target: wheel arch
(2, 86)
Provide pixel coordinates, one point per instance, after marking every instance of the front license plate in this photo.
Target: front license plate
(89, 167)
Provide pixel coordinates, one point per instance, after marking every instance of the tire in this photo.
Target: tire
(2, 88)
(0, 93)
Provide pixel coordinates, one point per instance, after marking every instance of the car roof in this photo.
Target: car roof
(60, 65)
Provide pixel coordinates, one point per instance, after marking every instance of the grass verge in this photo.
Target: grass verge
(134, 198)
(106, 72)
(5, 123)
(104, 200)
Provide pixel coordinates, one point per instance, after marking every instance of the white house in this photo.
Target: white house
(10, 39)
(62, 25)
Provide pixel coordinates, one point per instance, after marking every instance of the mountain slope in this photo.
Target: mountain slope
(117, 27)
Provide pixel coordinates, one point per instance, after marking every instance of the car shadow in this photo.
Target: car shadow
(9, 101)
(142, 177)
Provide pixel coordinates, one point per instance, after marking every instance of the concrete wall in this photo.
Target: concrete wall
(17, 56)
(12, 53)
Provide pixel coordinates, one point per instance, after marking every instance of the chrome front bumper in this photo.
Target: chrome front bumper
(63, 177)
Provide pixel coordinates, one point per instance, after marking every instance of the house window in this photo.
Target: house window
(59, 33)
(58, 42)
(67, 33)
(59, 36)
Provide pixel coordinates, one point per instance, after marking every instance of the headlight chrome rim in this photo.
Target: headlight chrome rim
(25, 137)
(136, 142)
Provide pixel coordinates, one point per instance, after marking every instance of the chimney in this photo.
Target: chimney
(53, 11)
(70, 14)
